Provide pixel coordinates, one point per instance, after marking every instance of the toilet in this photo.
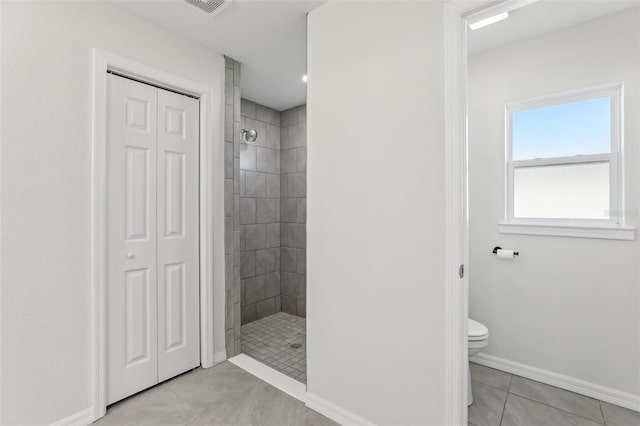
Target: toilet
(478, 339)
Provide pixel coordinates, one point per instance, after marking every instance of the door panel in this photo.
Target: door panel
(177, 234)
(131, 266)
(137, 320)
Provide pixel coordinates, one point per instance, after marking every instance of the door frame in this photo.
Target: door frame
(211, 207)
(457, 13)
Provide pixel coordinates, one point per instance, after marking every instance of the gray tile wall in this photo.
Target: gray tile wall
(232, 206)
(260, 213)
(293, 210)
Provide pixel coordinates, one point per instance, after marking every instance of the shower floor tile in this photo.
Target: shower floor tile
(269, 341)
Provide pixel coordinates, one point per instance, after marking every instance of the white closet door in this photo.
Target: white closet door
(177, 234)
(131, 284)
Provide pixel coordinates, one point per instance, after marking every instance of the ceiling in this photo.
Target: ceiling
(542, 17)
(268, 37)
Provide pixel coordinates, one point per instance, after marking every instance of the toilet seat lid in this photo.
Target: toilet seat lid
(476, 331)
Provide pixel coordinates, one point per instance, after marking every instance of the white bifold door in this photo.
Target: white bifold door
(153, 315)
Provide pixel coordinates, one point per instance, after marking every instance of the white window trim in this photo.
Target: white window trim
(612, 228)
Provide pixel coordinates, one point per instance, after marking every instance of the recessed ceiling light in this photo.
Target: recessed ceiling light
(304, 78)
(489, 21)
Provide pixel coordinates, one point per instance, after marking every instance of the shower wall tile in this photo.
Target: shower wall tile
(288, 259)
(301, 261)
(248, 313)
(242, 182)
(247, 264)
(248, 157)
(236, 140)
(228, 124)
(272, 284)
(288, 209)
(278, 303)
(289, 304)
(296, 235)
(265, 261)
(255, 237)
(236, 175)
(301, 309)
(266, 210)
(302, 114)
(228, 64)
(266, 160)
(228, 91)
(273, 235)
(248, 109)
(228, 235)
(228, 271)
(228, 160)
(297, 185)
(301, 210)
(236, 76)
(288, 161)
(259, 185)
(236, 248)
(273, 136)
(284, 187)
(233, 230)
(289, 117)
(236, 323)
(236, 103)
(273, 186)
(230, 342)
(265, 307)
(228, 197)
(266, 115)
(247, 211)
(293, 210)
(255, 289)
(301, 159)
(255, 185)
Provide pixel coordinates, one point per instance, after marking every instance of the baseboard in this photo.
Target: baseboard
(273, 377)
(81, 418)
(334, 412)
(612, 396)
(219, 356)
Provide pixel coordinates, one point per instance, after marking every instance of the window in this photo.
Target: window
(563, 162)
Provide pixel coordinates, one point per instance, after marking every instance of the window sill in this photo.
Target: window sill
(598, 232)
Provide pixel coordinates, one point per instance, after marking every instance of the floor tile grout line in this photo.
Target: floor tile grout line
(504, 407)
(489, 386)
(604, 422)
(556, 408)
(539, 402)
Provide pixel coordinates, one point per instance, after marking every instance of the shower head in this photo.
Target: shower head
(249, 135)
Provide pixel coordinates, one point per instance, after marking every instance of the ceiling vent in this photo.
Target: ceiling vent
(211, 7)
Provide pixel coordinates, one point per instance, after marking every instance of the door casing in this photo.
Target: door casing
(457, 14)
(211, 207)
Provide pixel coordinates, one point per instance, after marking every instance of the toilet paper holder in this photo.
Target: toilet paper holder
(496, 248)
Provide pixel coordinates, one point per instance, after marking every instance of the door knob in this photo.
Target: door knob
(130, 255)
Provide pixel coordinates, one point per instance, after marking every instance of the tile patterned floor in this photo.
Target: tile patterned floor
(224, 395)
(269, 341)
(502, 399)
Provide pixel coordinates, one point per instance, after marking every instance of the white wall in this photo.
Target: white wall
(566, 305)
(376, 210)
(46, 183)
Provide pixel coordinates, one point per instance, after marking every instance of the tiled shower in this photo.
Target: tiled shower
(265, 205)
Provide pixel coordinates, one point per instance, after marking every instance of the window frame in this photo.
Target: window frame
(615, 160)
